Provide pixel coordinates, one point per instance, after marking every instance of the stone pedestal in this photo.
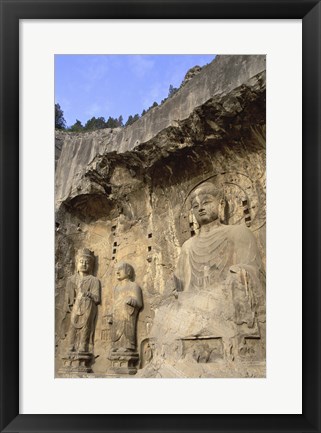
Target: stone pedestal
(124, 362)
(77, 362)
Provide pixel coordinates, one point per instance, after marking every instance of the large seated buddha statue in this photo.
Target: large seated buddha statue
(219, 280)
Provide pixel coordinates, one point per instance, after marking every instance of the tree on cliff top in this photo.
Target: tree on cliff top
(114, 123)
(60, 122)
(131, 119)
(95, 123)
(172, 90)
(77, 127)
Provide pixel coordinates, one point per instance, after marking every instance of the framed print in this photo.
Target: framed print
(151, 275)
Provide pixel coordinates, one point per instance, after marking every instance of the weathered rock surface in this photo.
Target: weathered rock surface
(219, 78)
(123, 193)
(60, 137)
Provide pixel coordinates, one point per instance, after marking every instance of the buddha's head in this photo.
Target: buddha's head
(124, 271)
(205, 202)
(85, 261)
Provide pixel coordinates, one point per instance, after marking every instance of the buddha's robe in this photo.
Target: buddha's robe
(206, 259)
(218, 277)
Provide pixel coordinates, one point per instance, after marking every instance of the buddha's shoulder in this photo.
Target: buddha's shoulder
(188, 243)
(224, 231)
(238, 231)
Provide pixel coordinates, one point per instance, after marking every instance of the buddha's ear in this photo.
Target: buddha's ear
(223, 211)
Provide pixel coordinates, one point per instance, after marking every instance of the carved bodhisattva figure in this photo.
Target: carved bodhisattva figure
(127, 303)
(82, 297)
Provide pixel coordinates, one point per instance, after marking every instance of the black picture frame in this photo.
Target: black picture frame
(11, 12)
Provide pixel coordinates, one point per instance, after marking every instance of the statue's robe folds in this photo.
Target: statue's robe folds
(219, 281)
(83, 309)
(125, 316)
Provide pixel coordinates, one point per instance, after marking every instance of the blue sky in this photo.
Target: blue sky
(114, 85)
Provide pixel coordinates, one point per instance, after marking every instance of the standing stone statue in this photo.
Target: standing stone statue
(82, 297)
(127, 303)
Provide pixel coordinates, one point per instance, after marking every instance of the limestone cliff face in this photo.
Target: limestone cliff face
(219, 78)
(123, 194)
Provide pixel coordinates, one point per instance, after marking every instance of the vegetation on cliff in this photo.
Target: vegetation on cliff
(100, 123)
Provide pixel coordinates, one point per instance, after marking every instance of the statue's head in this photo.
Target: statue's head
(85, 261)
(125, 271)
(206, 200)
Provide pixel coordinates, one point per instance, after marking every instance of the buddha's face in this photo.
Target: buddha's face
(205, 208)
(121, 273)
(84, 264)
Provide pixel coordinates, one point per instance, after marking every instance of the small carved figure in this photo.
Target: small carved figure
(146, 352)
(127, 303)
(82, 298)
